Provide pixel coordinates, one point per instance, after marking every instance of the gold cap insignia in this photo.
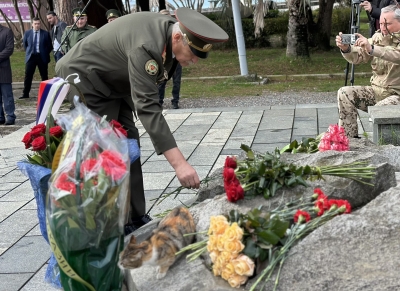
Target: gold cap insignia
(151, 67)
(111, 14)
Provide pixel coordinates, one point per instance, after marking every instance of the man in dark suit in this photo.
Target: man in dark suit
(119, 76)
(6, 95)
(37, 45)
(57, 28)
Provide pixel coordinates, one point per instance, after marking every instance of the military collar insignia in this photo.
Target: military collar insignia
(151, 67)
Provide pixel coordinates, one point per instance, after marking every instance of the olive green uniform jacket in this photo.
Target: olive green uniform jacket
(112, 63)
(76, 35)
(385, 63)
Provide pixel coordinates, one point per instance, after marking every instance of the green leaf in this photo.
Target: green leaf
(263, 254)
(307, 170)
(261, 183)
(234, 215)
(268, 237)
(278, 226)
(250, 249)
(261, 169)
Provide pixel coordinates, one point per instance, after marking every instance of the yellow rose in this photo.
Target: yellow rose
(214, 255)
(235, 281)
(216, 269)
(212, 243)
(227, 257)
(220, 243)
(228, 271)
(244, 266)
(234, 232)
(233, 247)
(218, 224)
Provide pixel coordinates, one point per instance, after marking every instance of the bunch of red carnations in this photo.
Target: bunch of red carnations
(334, 139)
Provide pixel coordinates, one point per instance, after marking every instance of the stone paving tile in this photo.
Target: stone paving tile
(23, 192)
(235, 142)
(231, 152)
(201, 119)
(176, 116)
(276, 122)
(242, 129)
(157, 167)
(273, 136)
(317, 105)
(253, 118)
(219, 163)
(34, 231)
(27, 255)
(7, 186)
(205, 155)
(37, 282)
(30, 205)
(226, 123)
(13, 282)
(279, 112)
(232, 114)
(194, 133)
(156, 181)
(283, 107)
(216, 135)
(7, 208)
(305, 112)
(14, 176)
(16, 226)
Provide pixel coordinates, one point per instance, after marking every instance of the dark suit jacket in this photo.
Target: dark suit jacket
(112, 63)
(45, 45)
(6, 50)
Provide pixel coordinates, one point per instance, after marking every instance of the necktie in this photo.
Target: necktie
(35, 43)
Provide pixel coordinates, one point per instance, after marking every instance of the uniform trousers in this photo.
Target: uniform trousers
(351, 98)
(34, 61)
(176, 86)
(120, 110)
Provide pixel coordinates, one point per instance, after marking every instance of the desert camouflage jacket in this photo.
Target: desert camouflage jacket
(385, 63)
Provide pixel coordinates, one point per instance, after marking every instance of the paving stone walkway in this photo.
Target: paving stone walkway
(205, 136)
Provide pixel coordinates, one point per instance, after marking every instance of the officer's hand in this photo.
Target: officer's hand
(363, 43)
(343, 47)
(367, 6)
(187, 176)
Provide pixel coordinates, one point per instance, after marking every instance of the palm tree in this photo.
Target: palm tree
(297, 36)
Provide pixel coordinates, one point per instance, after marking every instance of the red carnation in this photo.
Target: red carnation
(120, 131)
(113, 164)
(301, 216)
(115, 124)
(229, 175)
(88, 166)
(234, 192)
(319, 208)
(230, 162)
(39, 144)
(345, 204)
(64, 183)
(27, 140)
(56, 131)
(37, 130)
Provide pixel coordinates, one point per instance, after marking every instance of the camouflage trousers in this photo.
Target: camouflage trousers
(351, 98)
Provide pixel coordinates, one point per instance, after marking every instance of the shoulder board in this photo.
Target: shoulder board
(92, 26)
(69, 26)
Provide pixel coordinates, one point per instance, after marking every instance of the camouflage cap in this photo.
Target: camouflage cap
(199, 31)
(113, 13)
(78, 12)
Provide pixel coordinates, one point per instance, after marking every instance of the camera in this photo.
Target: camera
(348, 38)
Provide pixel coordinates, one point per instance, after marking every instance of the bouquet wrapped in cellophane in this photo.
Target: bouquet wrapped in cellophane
(87, 198)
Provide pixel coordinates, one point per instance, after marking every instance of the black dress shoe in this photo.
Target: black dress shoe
(23, 97)
(2, 121)
(9, 122)
(175, 106)
(137, 223)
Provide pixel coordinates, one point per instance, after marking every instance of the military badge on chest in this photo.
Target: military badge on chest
(151, 67)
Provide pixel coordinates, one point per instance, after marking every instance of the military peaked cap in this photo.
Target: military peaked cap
(78, 12)
(113, 13)
(199, 31)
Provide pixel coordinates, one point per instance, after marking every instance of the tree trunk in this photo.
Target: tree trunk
(324, 24)
(297, 36)
(21, 24)
(65, 10)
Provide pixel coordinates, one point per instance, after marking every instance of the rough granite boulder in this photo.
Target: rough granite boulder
(350, 231)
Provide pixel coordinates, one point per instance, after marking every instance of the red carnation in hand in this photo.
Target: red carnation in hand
(39, 144)
(120, 131)
(113, 164)
(301, 216)
(37, 130)
(234, 192)
(27, 140)
(88, 166)
(56, 131)
(115, 124)
(230, 162)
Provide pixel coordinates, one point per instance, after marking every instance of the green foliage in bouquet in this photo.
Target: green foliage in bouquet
(306, 145)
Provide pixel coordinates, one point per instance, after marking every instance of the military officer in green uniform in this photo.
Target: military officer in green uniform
(112, 14)
(120, 68)
(79, 31)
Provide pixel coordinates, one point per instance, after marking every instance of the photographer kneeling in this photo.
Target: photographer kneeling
(383, 50)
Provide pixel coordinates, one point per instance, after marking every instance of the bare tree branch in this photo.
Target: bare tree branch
(15, 2)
